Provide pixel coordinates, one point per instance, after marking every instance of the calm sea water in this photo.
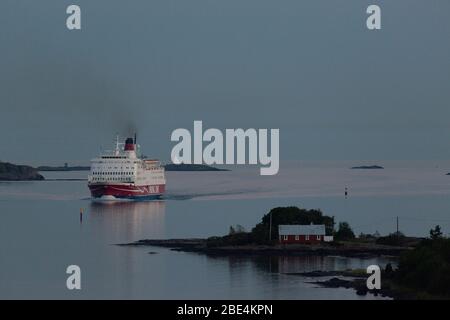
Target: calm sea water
(41, 233)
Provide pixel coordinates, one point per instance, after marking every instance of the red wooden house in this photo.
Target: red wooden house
(296, 233)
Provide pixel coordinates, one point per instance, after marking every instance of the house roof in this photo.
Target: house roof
(298, 229)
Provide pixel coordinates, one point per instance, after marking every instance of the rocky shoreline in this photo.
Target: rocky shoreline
(200, 246)
(356, 279)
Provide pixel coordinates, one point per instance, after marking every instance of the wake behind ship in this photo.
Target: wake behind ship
(121, 174)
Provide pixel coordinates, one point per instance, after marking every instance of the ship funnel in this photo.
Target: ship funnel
(130, 145)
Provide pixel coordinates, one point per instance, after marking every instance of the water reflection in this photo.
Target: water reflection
(296, 264)
(129, 221)
(292, 264)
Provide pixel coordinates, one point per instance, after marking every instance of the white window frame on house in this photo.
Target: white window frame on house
(297, 237)
(285, 237)
(307, 237)
(318, 237)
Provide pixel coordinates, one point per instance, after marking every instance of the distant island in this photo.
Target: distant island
(66, 167)
(13, 172)
(367, 167)
(191, 167)
(168, 167)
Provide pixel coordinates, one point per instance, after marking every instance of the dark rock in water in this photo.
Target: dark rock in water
(368, 167)
(362, 292)
(153, 252)
(12, 172)
(191, 167)
(336, 283)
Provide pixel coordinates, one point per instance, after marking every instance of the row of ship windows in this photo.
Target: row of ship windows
(155, 177)
(112, 179)
(112, 173)
(116, 162)
(103, 167)
(140, 167)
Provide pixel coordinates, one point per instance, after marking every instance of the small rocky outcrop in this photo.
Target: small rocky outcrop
(368, 167)
(13, 172)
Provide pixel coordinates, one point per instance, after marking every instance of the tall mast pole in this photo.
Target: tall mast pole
(117, 145)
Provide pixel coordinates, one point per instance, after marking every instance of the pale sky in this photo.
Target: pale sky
(310, 68)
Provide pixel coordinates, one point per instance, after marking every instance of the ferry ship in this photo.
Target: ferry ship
(122, 174)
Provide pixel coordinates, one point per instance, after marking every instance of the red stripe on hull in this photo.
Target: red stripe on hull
(125, 191)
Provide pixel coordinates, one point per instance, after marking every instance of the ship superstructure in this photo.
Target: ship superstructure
(122, 174)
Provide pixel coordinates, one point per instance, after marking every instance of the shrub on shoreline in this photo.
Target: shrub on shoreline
(426, 268)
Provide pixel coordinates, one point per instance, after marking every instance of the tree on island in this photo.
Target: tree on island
(280, 216)
(436, 233)
(426, 268)
(393, 239)
(289, 215)
(344, 232)
(237, 229)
